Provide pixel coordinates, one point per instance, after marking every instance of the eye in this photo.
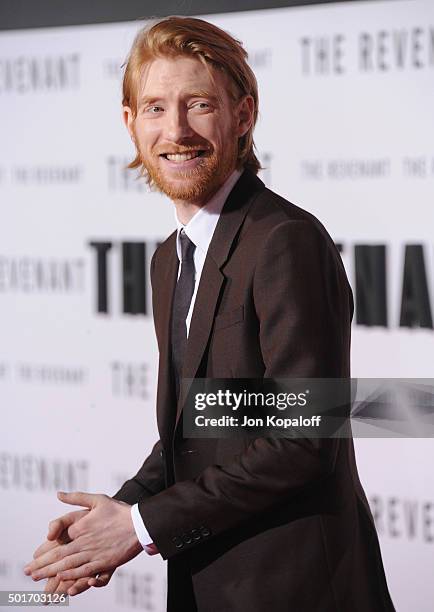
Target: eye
(154, 110)
(200, 106)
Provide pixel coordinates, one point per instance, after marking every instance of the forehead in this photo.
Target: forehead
(167, 76)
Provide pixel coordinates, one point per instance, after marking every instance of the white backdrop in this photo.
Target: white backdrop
(345, 130)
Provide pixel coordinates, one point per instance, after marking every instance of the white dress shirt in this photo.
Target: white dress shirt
(200, 230)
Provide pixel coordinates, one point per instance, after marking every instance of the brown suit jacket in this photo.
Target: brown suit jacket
(264, 525)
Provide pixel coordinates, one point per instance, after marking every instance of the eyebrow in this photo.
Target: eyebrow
(148, 100)
(203, 93)
(198, 93)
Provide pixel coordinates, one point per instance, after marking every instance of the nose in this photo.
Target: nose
(177, 125)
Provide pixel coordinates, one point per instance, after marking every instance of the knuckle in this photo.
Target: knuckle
(67, 566)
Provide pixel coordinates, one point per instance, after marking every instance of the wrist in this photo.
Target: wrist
(134, 544)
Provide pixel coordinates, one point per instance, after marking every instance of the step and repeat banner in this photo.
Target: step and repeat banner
(346, 131)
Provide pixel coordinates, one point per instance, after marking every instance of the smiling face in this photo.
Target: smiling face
(187, 127)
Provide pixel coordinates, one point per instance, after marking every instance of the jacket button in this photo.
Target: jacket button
(178, 542)
(205, 531)
(196, 534)
(186, 538)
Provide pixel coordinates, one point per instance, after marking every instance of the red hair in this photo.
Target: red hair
(175, 36)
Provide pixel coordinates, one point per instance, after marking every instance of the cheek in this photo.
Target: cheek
(146, 135)
(225, 133)
(209, 128)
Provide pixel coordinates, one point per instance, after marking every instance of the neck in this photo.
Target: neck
(186, 210)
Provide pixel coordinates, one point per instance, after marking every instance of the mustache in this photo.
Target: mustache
(173, 149)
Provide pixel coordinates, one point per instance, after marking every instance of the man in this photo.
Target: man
(249, 286)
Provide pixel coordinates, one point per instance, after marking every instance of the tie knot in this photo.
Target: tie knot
(187, 247)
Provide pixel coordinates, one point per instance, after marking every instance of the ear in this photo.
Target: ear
(246, 109)
(127, 116)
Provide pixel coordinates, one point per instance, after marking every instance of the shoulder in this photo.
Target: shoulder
(290, 242)
(273, 219)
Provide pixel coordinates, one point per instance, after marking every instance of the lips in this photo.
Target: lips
(182, 157)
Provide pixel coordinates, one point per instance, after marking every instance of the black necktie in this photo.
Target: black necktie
(181, 304)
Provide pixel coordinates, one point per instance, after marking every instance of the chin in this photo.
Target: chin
(186, 187)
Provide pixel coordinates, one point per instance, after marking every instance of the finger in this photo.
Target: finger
(63, 586)
(78, 586)
(49, 545)
(83, 570)
(54, 554)
(78, 498)
(61, 524)
(43, 548)
(51, 584)
(101, 580)
(151, 549)
(50, 587)
(71, 561)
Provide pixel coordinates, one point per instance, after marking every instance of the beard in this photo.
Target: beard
(196, 184)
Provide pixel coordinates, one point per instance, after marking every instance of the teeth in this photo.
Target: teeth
(181, 157)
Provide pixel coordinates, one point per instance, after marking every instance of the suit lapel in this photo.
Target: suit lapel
(212, 278)
(162, 308)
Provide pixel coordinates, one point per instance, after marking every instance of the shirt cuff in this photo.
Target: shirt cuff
(141, 531)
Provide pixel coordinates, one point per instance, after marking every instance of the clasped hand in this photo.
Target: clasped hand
(85, 543)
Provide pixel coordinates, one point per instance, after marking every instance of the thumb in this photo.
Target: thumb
(78, 498)
(57, 529)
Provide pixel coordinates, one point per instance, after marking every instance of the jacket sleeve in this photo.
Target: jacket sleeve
(148, 481)
(150, 478)
(303, 304)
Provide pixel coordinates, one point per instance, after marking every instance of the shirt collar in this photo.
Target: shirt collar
(200, 228)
